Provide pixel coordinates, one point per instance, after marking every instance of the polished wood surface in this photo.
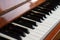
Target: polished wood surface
(37, 3)
(57, 36)
(7, 18)
(2, 12)
(2, 22)
(51, 35)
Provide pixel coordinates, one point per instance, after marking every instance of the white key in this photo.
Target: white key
(30, 30)
(56, 15)
(39, 32)
(31, 36)
(27, 38)
(43, 28)
(34, 33)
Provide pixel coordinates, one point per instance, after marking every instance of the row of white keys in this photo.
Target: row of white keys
(32, 32)
(47, 24)
(56, 14)
(37, 32)
(43, 28)
(54, 17)
(52, 20)
(40, 29)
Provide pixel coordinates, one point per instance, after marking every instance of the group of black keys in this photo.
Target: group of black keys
(37, 14)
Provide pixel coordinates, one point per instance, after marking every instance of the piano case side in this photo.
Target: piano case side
(54, 34)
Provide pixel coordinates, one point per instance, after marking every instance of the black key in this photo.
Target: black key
(31, 22)
(10, 30)
(52, 4)
(49, 3)
(36, 14)
(41, 11)
(17, 28)
(2, 38)
(25, 23)
(45, 4)
(10, 33)
(45, 9)
(32, 17)
(31, 13)
(40, 15)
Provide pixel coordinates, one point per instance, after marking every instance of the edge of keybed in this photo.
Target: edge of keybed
(53, 32)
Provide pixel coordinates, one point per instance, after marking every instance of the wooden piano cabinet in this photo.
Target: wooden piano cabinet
(33, 5)
(8, 6)
(54, 34)
(12, 15)
(0, 11)
(2, 22)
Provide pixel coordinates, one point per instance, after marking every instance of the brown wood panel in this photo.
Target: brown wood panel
(57, 36)
(0, 10)
(53, 32)
(39, 2)
(3, 21)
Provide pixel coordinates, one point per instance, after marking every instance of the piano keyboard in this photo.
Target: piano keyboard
(34, 25)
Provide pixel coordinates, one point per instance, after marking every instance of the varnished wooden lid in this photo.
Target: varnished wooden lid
(5, 19)
(53, 33)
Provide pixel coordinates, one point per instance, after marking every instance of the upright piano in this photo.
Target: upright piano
(29, 19)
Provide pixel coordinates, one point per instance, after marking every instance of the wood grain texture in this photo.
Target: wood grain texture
(53, 32)
(57, 36)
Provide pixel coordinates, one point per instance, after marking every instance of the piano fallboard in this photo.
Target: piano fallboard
(8, 17)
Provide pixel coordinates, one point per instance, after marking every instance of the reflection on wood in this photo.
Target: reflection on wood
(2, 22)
(20, 12)
(51, 35)
(57, 37)
(12, 8)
